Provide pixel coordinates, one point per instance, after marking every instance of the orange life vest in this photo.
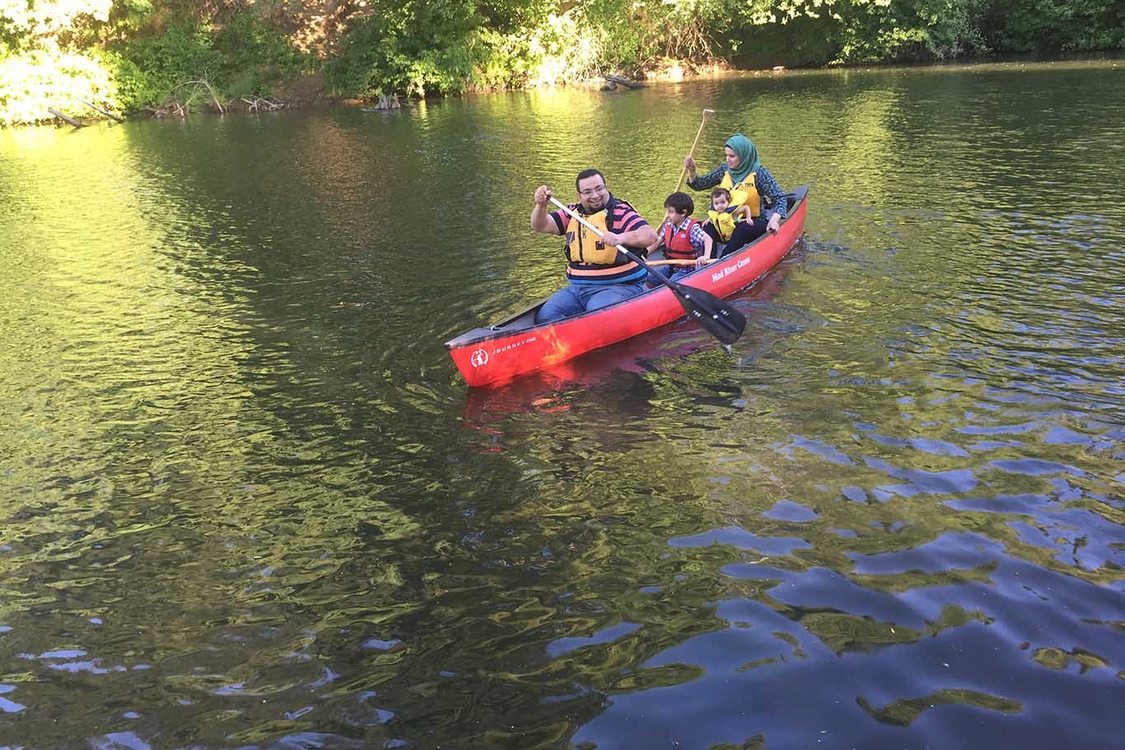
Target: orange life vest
(677, 241)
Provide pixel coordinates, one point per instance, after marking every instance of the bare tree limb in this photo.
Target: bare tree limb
(198, 83)
(65, 118)
(101, 111)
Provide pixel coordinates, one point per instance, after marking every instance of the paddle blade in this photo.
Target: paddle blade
(719, 318)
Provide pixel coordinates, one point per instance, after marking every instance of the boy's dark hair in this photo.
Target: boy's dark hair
(681, 202)
(587, 173)
(720, 191)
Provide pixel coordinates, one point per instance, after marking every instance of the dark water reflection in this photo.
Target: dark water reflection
(247, 502)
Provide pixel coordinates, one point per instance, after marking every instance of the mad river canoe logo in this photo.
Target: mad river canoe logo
(479, 358)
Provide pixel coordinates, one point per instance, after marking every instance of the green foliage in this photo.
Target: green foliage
(42, 62)
(865, 31)
(149, 68)
(54, 52)
(133, 54)
(36, 24)
(242, 58)
(504, 60)
(408, 46)
(253, 55)
(506, 16)
(1054, 25)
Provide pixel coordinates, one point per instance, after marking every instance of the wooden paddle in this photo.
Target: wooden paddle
(678, 262)
(683, 173)
(718, 318)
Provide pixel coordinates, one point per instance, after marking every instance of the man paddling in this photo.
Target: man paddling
(596, 273)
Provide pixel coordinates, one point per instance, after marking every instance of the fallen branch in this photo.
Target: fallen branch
(612, 78)
(200, 82)
(259, 102)
(65, 118)
(212, 93)
(101, 111)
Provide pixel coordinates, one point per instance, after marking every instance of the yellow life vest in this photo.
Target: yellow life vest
(745, 193)
(586, 247)
(723, 223)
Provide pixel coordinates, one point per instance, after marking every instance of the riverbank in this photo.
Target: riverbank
(310, 92)
(165, 58)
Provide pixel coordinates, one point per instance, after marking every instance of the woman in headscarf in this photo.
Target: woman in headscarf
(750, 184)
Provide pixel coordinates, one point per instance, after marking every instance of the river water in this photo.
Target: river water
(247, 501)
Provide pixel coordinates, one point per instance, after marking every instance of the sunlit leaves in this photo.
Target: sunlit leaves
(31, 82)
(422, 47)
(44, 17)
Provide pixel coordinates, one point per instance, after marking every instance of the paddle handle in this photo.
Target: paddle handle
(683, 172)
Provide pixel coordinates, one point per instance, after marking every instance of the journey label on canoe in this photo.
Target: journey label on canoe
(480, 357)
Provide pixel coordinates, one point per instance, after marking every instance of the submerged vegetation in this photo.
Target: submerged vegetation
(166, 56)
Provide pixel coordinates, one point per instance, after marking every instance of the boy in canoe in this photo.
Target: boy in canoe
(597, 275)
(684, 239)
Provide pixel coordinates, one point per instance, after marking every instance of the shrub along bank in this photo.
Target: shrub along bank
(171, 55)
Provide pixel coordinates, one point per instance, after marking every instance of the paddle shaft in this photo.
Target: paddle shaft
(620, 248)
(678, 262)
(718, 318)
(683, 172)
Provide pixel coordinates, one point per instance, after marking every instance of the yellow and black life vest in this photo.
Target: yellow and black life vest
(745, 193)
(723, 221)
(589, 259)
(586, 247)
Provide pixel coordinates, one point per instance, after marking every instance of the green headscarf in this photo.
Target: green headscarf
(747, 155)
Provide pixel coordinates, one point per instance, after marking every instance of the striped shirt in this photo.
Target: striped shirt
(773, 199)
(623, 218)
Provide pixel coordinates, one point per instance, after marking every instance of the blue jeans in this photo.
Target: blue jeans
(577, 298)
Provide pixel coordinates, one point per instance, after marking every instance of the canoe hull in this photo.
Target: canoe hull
(490, 357)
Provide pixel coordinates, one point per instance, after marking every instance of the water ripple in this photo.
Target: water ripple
(247, 502)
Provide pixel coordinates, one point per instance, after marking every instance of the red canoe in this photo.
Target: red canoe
(494, 355)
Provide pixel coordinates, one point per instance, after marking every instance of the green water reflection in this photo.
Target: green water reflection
(246, 500)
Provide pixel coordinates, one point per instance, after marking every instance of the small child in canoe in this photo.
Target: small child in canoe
(723, 216)
(683, 238)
